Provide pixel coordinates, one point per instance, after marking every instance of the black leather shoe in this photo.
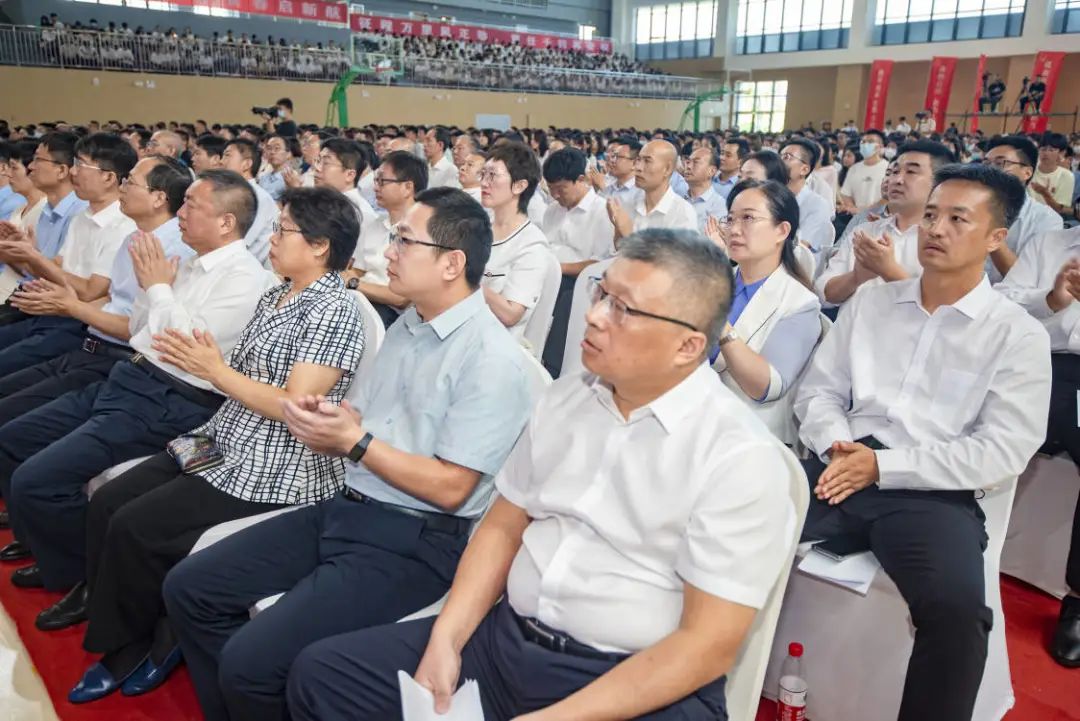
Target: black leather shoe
(1066, 645)
(68, 611)
(5, 521)
(29, 577)
(14, 551)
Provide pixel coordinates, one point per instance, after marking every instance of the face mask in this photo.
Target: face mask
(889, 153)
(280, 113)
(976, 156)
(867, 149)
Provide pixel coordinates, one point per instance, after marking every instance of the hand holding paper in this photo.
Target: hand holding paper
(417, 703)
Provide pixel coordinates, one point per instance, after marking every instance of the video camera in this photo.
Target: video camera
(272, 110)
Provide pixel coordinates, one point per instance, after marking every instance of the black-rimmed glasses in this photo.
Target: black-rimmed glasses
(618, 309)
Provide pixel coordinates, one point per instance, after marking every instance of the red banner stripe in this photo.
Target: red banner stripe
(880, 75)
(939, 87)
(1048, 65)
(978, 92)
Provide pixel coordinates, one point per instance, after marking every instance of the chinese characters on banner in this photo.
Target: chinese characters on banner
(313, 10)
(474, 33)
(880, 74)
(1048, 65)
(977, 108)
(939, 88)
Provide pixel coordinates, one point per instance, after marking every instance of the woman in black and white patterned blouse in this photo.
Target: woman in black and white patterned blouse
(306, 338)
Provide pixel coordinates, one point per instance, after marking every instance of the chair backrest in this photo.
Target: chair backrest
(539, 378)
(747, 675)
(575, 326)
(807, 261)
(374, 332)
(539, 323)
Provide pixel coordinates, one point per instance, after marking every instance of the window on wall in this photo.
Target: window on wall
(1066, 17)
(675, 30)
(781, 26)
(761, 106)
(899, 22)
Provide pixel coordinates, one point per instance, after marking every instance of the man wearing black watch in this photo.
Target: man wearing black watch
(424, 433)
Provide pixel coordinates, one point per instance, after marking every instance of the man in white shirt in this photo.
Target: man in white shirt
(628, 584)
(48, 455)
(888, 249)
(860, 188)
(1051, 183)
(925, 124)
(441, 169)
(925, 392)
(243, 157)
(658, 206)
(701, 167)
(815, 225)
(165, 142)
(1018, 156)
(903, 126)
(1046, 281)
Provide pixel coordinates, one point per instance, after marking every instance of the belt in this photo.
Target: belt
(441, 522)
(192, 393)
(546, 637)
(98, 346)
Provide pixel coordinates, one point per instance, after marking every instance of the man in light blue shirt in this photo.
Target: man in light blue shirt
(701, 167)
(424, 433)
(278, 156)
(10, 201)
(732, 153)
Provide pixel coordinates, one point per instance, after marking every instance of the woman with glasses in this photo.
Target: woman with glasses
(774, 323)
(304, 340)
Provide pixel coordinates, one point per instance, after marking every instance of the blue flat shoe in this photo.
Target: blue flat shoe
(96, 683)
(148, 676)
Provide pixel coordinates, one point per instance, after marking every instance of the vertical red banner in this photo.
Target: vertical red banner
(978, 92)
(878, 93)
(1049, 66)
(938, 89)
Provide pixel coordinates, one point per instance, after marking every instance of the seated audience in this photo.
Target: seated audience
(657, 205)
(446, 399)
(520, 257)
(774, 322)
(701, 167)
(207, 153)
(619, 183)
(441, 168)
(49, 454)
(164, 142)
(11, 201)
(815, 213)
(470, 169)
(764, 165)
(875, 212)
(243, 157)
(1052, 184)
(670, 563)
(18, 171)
(925, 392)
(276, 152)
(305, 339)
(861, 182)
(733, 152)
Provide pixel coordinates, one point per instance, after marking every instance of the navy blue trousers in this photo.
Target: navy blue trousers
(49, 454)
(33, 387)
(342, 565)
(32, 341)
(353, 677)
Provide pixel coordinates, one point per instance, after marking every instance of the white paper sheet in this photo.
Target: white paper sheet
(855, 572)
(417, 703)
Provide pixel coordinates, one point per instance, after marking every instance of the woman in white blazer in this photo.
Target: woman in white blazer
(774, 323)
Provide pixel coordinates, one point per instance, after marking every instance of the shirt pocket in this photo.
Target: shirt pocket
(952, 402)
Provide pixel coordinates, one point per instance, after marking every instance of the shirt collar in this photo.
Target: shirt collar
(221, 255)
(741, 285)
(703, 198)
(586, 203)
(64, 206)
(450, 319)
(106, 216)
(662, 207)
(972, 305)
(670, 409)
(730, 181)
(170, 229)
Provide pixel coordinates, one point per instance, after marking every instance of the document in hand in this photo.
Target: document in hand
(417, 703)
(855, 573)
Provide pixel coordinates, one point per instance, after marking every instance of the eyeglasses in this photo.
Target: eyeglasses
(490, 176)
(400, 241)
(321, 162)
(278, 228)
(43, 159)
(792, 158)
(80, 165)
(618, 309)
(128, 182)
(621, 157)
(379, 182)
(744, 221)
(1003, 163)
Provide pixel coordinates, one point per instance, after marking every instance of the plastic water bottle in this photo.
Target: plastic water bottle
(791, 700)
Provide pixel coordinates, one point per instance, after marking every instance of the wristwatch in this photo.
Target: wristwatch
(358, 451)
(728, 337)
(352, 283)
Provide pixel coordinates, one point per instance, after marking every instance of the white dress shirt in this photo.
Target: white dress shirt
(443, 173)
(257, 239)
(1035, 220)
(959, 396)
(815, 224)
(93, 240)
(583, 232)
(691, 489)
(1032, 278)
(216, 292)
(708, 203)
(517, 269)
(905, 250)
(671, 212)
(370, 251)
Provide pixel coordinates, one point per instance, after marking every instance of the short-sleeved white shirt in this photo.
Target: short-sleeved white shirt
(863, 182)
(93, 240)
(583, 232)
(516, 269)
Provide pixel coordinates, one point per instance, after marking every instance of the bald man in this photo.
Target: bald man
(404, 144)
(165, 142)
(659, 206)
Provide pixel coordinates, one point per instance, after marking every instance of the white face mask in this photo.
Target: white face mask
(889, 153)
(867, 149)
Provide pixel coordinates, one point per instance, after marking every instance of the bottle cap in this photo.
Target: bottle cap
(795, 649)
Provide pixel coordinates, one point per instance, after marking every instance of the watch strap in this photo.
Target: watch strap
(358, 451)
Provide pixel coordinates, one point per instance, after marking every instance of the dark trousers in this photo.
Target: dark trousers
(991, 101)
(10, 314)
(931, 544)
(353, 677)
(32, 341)
(139, 526)
(343, 565)
(33, 387)
(49, 454)
(387, 314)
(556, 340)
(1063, 434)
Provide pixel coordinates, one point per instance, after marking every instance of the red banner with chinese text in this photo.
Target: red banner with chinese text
(880, 75)
(1049, 66)
(313, 10)
(976, 108)
(938, 89)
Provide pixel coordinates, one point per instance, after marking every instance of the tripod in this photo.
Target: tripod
(1019, 106)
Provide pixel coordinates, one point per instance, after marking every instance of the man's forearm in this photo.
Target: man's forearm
(842, 287)
(574, 269)
(1003, 259)
(382, 294)
(110, 324)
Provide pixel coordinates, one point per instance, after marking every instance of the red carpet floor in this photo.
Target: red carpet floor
(1044, 690)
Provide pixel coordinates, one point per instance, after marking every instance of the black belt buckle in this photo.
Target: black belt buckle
(90, 345)
(547, 639)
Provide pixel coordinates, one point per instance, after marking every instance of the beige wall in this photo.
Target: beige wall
(38, 94)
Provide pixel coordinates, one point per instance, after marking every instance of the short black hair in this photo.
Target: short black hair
(565, 164)
(874, 131)
(442, 135)
(61, 146)
(774, 166)
(249, 150)
(24, 150)
(939, 153)
(110, 152)
(324, 213)
(743, 147)
(407, 166)
(812, 150)
(1057, 141)
(7, 151)
(630, 143)
(460, 223)
(1007, 191)
(212, 145)
(233, 194)
(286, 103)
(1024, 147)
(171, 177)
(520, 162)
(350, 155)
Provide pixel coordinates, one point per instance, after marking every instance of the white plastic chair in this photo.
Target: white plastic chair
(539, 324)
(806, 260)
(1037, 544)
(575, 327)
(857, 648)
